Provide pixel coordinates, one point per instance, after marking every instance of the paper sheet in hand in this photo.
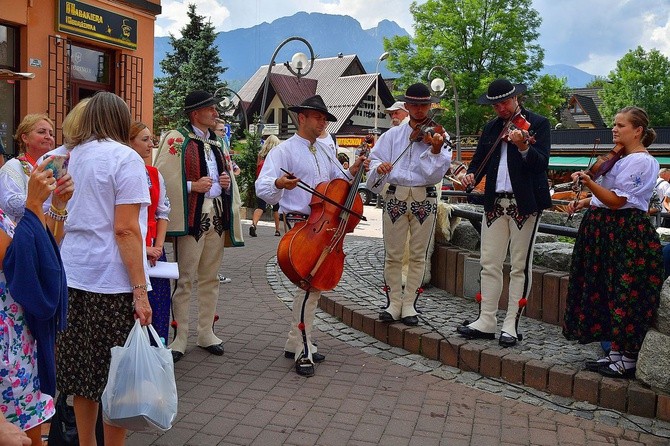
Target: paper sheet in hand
(164, 270)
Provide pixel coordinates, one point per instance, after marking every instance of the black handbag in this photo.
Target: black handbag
(63, 429)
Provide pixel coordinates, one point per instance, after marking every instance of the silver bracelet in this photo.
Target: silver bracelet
(55, 216)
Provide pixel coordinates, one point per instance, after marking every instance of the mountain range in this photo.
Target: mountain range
(328, 35)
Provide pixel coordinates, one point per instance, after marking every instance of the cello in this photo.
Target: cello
(311, 254)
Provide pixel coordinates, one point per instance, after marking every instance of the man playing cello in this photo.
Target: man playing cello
(308, 162)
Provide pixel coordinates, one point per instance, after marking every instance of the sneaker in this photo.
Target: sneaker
(252, 231)
(223, 279)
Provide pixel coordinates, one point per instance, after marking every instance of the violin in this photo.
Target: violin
(598, 168)
(426, 127)
(604, 163)
(519, 122)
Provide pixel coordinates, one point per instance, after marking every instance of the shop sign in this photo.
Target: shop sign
(84, 20)
(349, 141)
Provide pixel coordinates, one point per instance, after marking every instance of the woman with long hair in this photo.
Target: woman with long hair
(141, 140)
(104, 257)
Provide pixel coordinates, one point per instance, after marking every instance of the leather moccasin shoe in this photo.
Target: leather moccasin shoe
(385, 316)
(215, 349)
(410, 320)
(176, 356)
(506, 340)
(304, 368)
(593, 366)
(316, 357)
(473, 333)
(620, 372)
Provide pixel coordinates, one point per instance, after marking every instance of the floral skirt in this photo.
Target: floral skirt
(615, 279)
(95, 323)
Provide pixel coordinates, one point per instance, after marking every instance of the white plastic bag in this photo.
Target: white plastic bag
(141, 394)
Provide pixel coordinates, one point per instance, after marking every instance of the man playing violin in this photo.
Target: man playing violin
(411, 158)
(310, 162)
(515, 164)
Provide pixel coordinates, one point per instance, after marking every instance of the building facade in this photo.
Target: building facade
(74, 49)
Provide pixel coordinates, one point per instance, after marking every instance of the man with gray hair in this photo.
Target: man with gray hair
(398, 113)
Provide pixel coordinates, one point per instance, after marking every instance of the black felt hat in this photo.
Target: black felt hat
(500, 90)
(418, 94)
(199, 99)
(314, 103)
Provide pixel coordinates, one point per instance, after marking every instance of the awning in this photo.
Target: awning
(569, 162)
(582, 162)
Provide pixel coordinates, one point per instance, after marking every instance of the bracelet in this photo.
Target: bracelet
(57, 211)
(56, 216)
(143, 286)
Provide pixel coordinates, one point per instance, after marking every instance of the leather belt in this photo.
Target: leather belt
(429, 189)
(508, 195)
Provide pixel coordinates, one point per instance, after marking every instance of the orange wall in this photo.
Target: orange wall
(37, 21)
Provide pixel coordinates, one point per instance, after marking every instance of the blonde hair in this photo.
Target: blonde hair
(269, 143)
(106, 116)
(72, 120)
(27, 125)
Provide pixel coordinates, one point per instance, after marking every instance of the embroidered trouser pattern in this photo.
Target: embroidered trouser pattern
(504, 228)
(403, 218)
(300, 335)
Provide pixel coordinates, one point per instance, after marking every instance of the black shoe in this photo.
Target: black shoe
(216, 349)
(304, 368)
(473, 333)
(316, 357)
(385, 316)
(277, 233)
(252, 231)
(410, 320)
(176, 356)
(593, 366)
(620, 372)
(506, 340)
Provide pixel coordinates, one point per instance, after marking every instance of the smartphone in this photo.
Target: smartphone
(58, 165)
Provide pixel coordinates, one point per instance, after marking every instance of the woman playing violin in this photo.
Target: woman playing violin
(411, 158)
(617, 267)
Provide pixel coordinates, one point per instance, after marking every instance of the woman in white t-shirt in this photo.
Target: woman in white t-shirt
(104, 257)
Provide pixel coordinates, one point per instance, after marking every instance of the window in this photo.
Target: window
(8, 91)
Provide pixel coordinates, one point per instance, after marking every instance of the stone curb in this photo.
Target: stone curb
(618, 394)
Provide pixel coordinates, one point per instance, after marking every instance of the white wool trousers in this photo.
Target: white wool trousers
(503, 229)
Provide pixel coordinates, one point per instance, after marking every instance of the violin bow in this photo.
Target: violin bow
(505, 129)
(382, 177)
(306, 187)
(580, 184)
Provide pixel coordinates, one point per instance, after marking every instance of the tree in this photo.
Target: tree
(549, 97)
(193, 65)
(643, 79)
(478, 41)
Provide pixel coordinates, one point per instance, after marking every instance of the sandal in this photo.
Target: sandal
(619, 372)
(277, 233)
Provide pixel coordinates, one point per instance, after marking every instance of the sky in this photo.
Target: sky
(588, 34)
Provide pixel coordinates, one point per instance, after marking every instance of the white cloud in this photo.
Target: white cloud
(174, 15)
(591, 35)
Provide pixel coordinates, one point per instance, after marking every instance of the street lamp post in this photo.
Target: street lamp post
(383, 56)
(438, 86)
(225, 103)
(296, 67)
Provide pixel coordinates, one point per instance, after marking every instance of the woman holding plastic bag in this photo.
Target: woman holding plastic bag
(104, 257)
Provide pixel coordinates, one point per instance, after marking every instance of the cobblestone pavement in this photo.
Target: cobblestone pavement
(366, 392)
